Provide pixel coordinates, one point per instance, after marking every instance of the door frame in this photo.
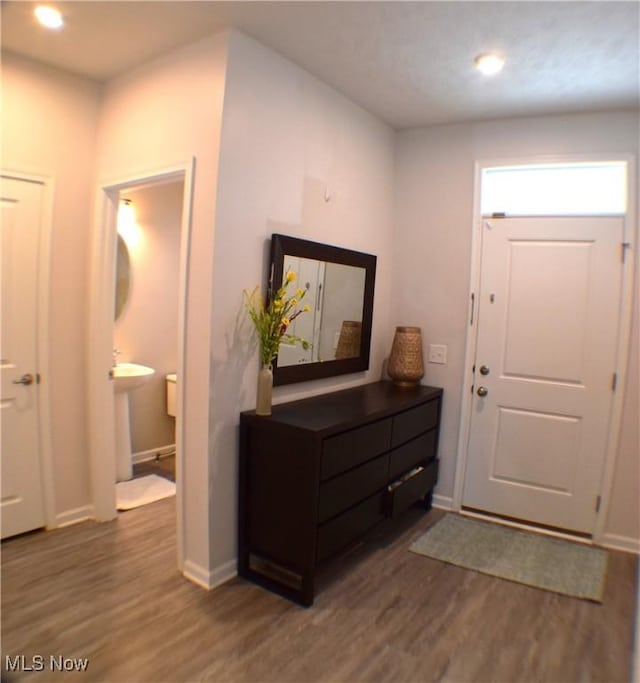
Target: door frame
(101, 331)
(624, 331)
(45, 454)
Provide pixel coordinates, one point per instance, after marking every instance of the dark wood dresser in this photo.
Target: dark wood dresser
(319, 473)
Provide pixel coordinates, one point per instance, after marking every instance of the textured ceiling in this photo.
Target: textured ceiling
(409, 63)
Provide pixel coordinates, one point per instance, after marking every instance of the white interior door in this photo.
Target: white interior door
(545, 358)
(22, 504)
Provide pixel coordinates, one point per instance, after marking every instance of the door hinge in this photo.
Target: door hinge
(625, 246)
(614, 381)
(598, 501)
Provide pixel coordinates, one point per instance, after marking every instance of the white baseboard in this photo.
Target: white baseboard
(635, 673)
(144, 456)
(442, 502)
(209, 579)
(625, 543)
(81, 514)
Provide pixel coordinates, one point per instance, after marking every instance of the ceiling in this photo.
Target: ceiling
(409, 63)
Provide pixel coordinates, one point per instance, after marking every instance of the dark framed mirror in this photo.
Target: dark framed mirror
(339, 286)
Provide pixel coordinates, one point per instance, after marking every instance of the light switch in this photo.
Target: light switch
(438, 353)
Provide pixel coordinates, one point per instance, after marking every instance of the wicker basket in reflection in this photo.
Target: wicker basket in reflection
(349, 339)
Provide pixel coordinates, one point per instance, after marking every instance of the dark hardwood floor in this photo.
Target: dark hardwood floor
(111, 593)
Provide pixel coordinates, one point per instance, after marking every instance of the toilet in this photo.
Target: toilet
(171, 394)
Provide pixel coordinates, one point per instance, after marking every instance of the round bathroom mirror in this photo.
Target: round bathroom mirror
(123, 277)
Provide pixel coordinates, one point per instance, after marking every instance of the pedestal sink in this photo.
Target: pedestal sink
(126, 378)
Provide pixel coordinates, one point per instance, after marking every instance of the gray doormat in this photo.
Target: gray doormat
(540, 561)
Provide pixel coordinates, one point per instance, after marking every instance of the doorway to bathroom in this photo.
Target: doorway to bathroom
(146, 336)
(137, 334)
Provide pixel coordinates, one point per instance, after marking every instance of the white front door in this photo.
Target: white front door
(545, 357)
(22, 505)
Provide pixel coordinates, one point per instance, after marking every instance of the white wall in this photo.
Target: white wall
(434, 199)
(159, 115)
(147, 330)
(49, 123)
(286, 137)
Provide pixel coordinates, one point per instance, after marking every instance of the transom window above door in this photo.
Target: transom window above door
(567, 189)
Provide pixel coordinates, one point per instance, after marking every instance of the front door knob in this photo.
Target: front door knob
(484, 370)
(482, 391)
(26, 379)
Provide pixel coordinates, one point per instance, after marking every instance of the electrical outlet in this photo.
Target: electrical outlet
(438, 353)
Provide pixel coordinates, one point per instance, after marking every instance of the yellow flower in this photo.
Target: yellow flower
(306, 308)
(299, 292)
(294, 302)
(286, 322)
(291, 276)
(277, 305)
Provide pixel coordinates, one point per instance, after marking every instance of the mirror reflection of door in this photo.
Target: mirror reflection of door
(344, 299)
(310, 277)
(335, 293)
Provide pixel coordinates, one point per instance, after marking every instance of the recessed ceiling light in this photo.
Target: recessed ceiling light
(49, 17)
(489, 63)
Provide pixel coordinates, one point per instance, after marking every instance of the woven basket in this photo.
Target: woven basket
(406, 367)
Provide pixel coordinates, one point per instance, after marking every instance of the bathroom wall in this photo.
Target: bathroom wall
(434, 199)
(147, 330)
(287, 138)
(49, 123)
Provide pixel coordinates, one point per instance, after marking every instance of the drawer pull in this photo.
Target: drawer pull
(409, 475)
(410, 488)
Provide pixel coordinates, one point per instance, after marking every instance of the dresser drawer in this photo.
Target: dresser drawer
(402, 494)
(342, 530)
(413, 422)
(344, 451)
(346, 489)
(416, 451)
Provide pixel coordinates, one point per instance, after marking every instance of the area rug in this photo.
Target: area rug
(544, 562)
(143, 490)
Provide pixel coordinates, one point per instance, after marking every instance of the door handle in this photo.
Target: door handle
(26, 379)
(484, 370)
(482, 391)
